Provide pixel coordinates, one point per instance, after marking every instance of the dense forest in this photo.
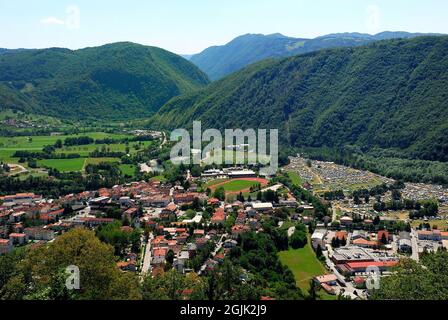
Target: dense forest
(386, 99)
(115, 81)
(413, 281)
(220, 61)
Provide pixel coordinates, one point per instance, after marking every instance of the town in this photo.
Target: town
(364, 222)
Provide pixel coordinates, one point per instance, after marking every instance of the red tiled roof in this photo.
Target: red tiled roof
(160, 252)
(341, 235)
(127, 229)
(17, 235)
(364, 242)
(381, 233)
(171, 207)
(355, 265)
(359, 280)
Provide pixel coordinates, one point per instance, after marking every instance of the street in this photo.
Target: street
(414, 241)
(215, 252)
(347, 287)
(147, 258)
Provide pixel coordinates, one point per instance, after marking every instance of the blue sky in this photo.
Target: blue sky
(189, 26)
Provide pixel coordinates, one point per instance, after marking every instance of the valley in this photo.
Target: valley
(95, 178)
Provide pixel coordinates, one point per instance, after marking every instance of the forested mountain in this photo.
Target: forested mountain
(389, 95)
(220, 61)
(115, 81)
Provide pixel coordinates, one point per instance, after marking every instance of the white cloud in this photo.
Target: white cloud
(72, 20)
(52, 21)
(373, 20)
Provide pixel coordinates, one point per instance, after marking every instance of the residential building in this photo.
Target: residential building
(5, 246)
(404, 243)
(318, 239)
(18, 238)
(39, 233)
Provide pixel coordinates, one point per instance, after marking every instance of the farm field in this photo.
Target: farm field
(9, 145)
(63, 165)
(440, 224)
(84, 151)
(38, 142)
(99, 160)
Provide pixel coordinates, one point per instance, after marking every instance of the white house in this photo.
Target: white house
(318, 239)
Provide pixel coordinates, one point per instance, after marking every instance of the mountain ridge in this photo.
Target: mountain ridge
(388, 95)
(219, 61)
(116, 80)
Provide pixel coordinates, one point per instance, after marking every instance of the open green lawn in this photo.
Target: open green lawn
(63, 165)
(6, 156)
(100, 160)
(158, 178)
(295, 178)
(34, 174)
(128, 169)
(303, 264)
(287, 224)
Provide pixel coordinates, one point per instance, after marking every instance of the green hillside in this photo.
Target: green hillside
(390, 95)
(115, 81)
(220, 61)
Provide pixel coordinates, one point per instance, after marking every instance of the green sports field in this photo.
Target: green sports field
(235, 185)
(239, 185)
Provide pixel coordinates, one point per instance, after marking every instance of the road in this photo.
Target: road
(164, 140)
(148, 256)
(348, 286)
(215, 252)
(273, 188)
(21, 169)
(335, 213)
(349, 239)
(414, 242)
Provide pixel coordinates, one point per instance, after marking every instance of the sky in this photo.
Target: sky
(190, 26)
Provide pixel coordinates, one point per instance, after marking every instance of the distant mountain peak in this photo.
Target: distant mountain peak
(219, 61)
